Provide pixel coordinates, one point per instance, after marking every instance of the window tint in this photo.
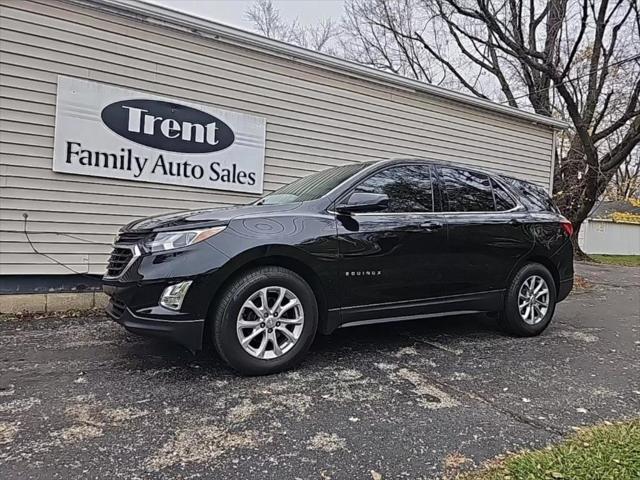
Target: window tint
(467, 191)
(408, 188)
(502, 198)
(533, 197)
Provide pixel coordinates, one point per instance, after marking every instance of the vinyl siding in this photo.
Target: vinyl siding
(317, 117)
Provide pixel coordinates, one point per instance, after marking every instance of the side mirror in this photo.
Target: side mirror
(360, 202)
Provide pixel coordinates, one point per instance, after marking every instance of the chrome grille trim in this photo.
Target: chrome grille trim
(135, 254)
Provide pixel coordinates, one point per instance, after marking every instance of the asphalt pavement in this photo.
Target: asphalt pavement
(82, 398)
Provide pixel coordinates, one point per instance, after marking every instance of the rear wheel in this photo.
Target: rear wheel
(530, 301)
(265, 321)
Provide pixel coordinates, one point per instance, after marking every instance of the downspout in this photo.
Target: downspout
(553, 162)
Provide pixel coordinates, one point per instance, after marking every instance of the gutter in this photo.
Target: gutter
(175, 19)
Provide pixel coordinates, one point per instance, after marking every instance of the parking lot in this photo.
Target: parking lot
(81, 398)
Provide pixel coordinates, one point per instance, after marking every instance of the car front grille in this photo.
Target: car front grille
(116, 308)
(118, 261)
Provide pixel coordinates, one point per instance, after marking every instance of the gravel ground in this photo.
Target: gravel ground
(81, 398)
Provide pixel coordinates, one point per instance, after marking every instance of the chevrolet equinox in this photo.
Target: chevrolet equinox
(355, 244)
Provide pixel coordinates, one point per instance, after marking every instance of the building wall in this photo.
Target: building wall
(316, 118)
(609, 238)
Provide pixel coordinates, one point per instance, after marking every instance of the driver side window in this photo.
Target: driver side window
(408, 188)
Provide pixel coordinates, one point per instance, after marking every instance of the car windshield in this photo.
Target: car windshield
(312, 186)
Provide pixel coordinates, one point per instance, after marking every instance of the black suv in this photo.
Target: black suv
(363, 243)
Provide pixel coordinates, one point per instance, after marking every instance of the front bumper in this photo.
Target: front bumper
(186, 332)
(136, 289)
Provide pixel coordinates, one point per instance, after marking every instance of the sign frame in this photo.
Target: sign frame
(112, 132)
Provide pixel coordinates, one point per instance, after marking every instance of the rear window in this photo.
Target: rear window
(467, 191)
(533, 197)
(504, 201)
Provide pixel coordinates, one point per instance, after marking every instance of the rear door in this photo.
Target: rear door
(392, 259)
(487, 231)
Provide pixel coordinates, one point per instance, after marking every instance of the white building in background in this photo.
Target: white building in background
(113, 110)
(613, 228)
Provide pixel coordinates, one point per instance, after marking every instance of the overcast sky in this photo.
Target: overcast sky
(232, 12)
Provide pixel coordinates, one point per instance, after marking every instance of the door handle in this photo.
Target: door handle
(431, 226)
(515, 221)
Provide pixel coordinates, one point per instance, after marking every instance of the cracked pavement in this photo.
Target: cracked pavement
(82, 398)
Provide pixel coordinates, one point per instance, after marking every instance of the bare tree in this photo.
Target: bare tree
(379, 34)
(579, 60)
(625, 184)
(267, 20)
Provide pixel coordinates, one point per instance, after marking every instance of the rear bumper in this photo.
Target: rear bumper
(565, 288)
(186, 332)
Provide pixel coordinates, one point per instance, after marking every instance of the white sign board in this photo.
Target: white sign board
(113, 132)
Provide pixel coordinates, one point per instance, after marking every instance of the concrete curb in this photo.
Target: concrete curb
(51, 302)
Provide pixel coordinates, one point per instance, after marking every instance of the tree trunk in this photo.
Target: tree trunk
(576, 192)
(578, 253)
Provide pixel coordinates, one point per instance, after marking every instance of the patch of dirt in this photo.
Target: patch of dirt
(386, 366)
(19, 405)
(348, 374)
(361, 390)
(454, 463)
(78, 433)
(89, 419)
(243, 411)
(8, 431)
(581, 284)
(405, 351)
(121, 415)
(268, 402)
(580, 336)
(90, 412)
(326, 442)
(83, 413)
(200, 444)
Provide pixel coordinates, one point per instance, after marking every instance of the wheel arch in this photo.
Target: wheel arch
(284, 256)
(545, 262)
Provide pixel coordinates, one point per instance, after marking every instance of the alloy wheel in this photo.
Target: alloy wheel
(533, 299)
(270, 322)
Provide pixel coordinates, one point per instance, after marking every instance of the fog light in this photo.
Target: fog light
(173, 295)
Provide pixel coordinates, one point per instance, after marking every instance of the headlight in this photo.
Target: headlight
(169, 240)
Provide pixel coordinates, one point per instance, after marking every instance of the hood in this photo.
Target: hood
(204, 217)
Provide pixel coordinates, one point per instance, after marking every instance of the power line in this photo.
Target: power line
(26, 234)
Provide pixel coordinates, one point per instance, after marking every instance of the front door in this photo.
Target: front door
(391, 261)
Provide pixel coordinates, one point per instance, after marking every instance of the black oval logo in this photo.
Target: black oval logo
(168, 126)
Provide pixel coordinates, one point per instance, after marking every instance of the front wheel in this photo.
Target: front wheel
(265, 321)
(530, 301)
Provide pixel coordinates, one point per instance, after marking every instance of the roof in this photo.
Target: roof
(618, 211)
(160, 15)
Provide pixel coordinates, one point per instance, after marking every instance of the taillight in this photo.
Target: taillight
(567, 226)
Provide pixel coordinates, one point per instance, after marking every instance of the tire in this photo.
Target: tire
(512, 318)
(246, 288)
